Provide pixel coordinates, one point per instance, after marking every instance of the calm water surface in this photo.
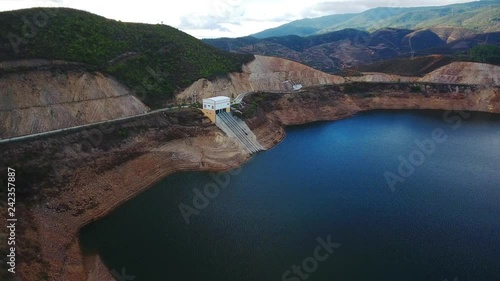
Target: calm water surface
(325, 181)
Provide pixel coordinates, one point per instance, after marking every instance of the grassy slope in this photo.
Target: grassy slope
(303, 27)
(165, 58)
(483, 19)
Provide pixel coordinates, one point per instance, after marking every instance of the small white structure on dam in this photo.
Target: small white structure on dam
(212, 106)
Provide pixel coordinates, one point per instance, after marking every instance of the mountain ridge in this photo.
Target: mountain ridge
(337, 50)
(405, 18)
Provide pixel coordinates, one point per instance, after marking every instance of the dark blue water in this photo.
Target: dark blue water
(325, 182)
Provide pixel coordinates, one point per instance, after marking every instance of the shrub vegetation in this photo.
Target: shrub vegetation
(153, 60)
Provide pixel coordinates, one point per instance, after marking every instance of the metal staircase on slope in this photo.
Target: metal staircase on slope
(236, 128)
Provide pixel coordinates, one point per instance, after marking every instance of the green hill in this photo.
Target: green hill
(479, 16)
(304, 27)
(153, 60)
(485, 19)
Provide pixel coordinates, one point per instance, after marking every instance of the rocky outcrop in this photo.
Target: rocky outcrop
(333, 103)
(79, 176)
(261, 74)
(42, 100)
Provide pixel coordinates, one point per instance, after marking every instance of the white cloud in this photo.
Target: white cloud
(216, 18)
(323, 8)
(6, 5)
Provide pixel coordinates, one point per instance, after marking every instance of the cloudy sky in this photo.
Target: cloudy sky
(219, 18)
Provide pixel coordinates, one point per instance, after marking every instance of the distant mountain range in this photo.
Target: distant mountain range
(479, 16)
(337, 42)
(338, 50)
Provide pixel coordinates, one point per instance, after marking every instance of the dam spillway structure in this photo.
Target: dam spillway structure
(218, 110)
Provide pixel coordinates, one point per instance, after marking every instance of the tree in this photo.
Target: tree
(485, 54)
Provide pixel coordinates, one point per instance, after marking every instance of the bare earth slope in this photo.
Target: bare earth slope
(465, 73)
(79, 185)
(470, 73)
(451, 33)
(262, 74)
(270, 73)
(41, 100)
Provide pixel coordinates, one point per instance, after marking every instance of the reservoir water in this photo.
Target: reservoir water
(328, 203)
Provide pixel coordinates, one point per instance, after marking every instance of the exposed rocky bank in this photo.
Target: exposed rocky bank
(44, 95)
(69, 179)
(467, 73)
(78, 177)
(34, 101)
(72, 178)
